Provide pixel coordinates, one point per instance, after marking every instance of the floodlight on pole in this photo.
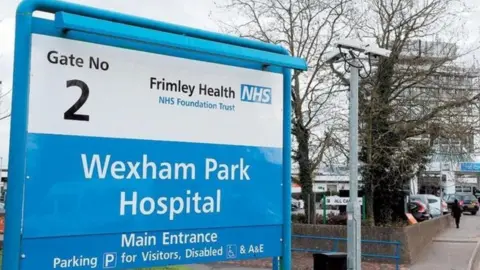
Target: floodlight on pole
(352, 61)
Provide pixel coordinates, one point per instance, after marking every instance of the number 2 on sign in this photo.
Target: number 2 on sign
(71, 113)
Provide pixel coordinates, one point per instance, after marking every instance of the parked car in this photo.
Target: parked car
(445, 210)
(432, 202)
(450, 198)
(468, 202)
(419, 211)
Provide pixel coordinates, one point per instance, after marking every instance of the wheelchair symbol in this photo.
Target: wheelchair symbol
(231, 251)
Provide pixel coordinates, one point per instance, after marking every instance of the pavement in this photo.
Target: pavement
(454, 248)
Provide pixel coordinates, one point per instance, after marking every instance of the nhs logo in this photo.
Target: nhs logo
(257, 94)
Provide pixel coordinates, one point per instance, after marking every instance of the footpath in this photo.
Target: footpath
(454, 249)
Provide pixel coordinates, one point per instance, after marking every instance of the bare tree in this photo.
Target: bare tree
(5, 113)
(403, 102)
(307, 28)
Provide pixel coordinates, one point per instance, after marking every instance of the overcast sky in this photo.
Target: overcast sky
(194, 13)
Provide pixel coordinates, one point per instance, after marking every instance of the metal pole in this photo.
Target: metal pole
(324, 206)
(353, 208)
(441, 184)
(286, 240)
(364, 209)
(315, 207)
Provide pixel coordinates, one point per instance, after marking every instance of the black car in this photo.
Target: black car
(449, 199)
(468, 202)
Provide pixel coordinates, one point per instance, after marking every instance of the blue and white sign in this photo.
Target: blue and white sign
(469, 166)
(126, 154)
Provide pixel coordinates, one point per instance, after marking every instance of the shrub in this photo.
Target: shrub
(302, 218)
(332, 219)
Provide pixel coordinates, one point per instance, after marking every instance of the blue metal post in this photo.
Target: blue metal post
(18, 139)
(286, 261)
(335, 245)
(397, 255)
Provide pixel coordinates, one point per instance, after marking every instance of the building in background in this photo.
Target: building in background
(441, 82)
(331, 178)
(452, 133)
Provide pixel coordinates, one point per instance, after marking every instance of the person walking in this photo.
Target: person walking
(456, 212)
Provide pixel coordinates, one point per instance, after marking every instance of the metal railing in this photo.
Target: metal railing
(336, 241)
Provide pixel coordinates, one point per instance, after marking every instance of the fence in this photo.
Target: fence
(336, 242)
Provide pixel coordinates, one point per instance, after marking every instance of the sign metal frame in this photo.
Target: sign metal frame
(77, 22)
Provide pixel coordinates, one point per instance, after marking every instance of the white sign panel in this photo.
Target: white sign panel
(336, 200)
(139, 95)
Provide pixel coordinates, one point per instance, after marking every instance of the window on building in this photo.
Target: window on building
(332, 188)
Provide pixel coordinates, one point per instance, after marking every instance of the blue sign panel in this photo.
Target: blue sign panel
(148, 249)
(140, 144)
(470, 167)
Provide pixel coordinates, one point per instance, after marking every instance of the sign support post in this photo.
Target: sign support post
(18, 141)
(324, 204)
(364, 209)
(353, 207)
(137, 135)
(286, 261)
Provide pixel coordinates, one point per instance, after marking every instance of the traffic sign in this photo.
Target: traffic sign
(137, 143)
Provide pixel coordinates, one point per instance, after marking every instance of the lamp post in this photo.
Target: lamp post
(352, 60)
(353, 207)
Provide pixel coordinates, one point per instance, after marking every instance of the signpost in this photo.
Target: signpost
(136, 143)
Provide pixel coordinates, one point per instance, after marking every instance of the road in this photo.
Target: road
(453, 248)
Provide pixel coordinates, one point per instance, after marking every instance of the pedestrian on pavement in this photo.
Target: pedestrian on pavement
(456, 212)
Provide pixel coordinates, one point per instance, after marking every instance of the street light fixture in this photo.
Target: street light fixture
(353, 207)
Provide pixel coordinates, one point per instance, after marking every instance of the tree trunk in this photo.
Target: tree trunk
(369, 197)
(369, 190)
(307, 194)
(305, 174)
